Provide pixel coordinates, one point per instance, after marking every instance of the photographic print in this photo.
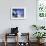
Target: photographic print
(41, 9)
(18, 13)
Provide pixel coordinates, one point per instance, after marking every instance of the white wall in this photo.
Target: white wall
(24, 25)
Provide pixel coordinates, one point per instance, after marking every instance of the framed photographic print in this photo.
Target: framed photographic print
(41, 12)
(18, 13)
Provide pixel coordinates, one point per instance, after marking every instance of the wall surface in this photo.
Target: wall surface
(24, 25)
